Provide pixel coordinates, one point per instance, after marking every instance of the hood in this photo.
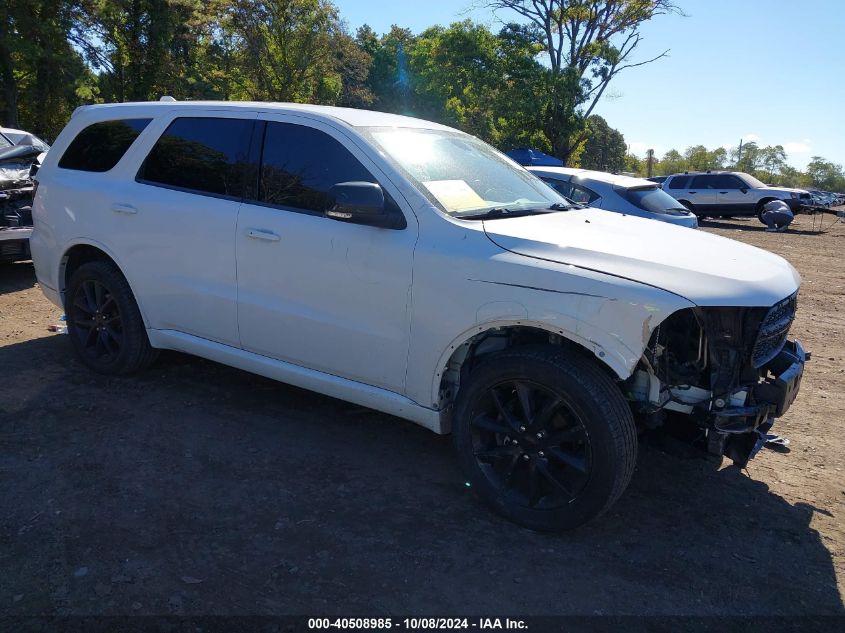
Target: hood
(785, 189)
(706, 269)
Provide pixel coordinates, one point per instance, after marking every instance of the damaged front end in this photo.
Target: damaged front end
(731, 370)
(18, 164)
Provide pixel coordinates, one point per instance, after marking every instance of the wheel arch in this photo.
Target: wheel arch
(81, 252)
(482, 339)
(765, 200)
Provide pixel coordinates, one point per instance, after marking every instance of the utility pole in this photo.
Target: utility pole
(739, 154)
(650, 155)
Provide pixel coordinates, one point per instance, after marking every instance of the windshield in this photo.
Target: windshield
(461, 174)
(751, 181)
(24, 138)
(655, 200)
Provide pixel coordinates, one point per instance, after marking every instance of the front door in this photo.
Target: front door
(733, 196)
(316, 292)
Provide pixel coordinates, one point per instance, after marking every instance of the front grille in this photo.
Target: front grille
(773, 330)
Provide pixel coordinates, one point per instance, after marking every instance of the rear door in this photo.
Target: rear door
(319, 293)
(173, 224)
(702, 193)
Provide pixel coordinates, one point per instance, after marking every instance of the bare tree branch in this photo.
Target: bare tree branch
(589, 42)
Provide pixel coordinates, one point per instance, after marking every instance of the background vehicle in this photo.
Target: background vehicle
(622, 194)
(658, 179)
(526, 156)
(21, 137)
(17, 163)
(20, 155)
(722, 193)
(411, 268)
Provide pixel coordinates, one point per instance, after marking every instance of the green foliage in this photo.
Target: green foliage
(604, 149)
(42, 76)
(587, 43)
(825, 175)
(533, 83)
(765, 163)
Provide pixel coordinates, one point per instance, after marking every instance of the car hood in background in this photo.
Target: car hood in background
(706, 269)
(784, 189)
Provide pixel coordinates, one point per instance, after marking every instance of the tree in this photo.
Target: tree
(697, 157)
(285, 51)
(773, 160)
(671, 163)
(486, 84)
(42, 76)
(588, 43)
(747, 158)
(826, 175)
(389, 76)
(605, 148)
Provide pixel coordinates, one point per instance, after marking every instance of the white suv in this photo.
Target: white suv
(728, 193)
(411, 268)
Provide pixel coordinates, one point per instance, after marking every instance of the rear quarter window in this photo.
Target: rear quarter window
(679, 182)
(100, 146)
(201, 154)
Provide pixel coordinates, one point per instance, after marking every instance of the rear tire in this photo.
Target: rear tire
(104, 322)
(544, 437)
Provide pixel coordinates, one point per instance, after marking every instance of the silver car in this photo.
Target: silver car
(623, 194)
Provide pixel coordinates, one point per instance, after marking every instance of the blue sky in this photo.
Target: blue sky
(772, 71)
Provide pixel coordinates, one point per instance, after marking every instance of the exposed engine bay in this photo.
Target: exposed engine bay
(731, 370)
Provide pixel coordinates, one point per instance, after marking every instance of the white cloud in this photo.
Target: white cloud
(797, 147)
(751, 137)
(639, 148)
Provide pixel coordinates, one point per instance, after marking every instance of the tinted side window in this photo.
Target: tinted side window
(100, 146)
(203, 154)
(582, 195)
(703, 182)
(679, 182)
(726, 181)
(300, 164)
(563, 188)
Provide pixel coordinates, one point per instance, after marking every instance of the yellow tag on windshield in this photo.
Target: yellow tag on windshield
(455, 195)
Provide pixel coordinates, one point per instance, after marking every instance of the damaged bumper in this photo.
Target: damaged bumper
(738, 430)
(14, 244)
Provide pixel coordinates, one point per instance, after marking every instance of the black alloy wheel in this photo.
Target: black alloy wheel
(103, 320)
(531, 444)
(96, 317)
(544, 436)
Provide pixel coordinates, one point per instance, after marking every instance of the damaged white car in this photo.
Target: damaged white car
(411, 268)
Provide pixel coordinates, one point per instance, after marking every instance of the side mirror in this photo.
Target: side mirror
(744, 190)
(360, 203)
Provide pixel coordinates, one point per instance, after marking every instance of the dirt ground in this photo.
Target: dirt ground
(199, 489)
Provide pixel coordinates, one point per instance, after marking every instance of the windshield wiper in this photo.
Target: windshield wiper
(562, 206)
(505, 212)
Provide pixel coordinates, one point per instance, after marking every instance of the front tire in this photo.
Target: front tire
(103, 321)
(545, 437)
(759, 209)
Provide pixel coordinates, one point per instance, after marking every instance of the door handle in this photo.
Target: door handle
(723, 192)
(124, 208)
(258, 234)
(693, 192)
